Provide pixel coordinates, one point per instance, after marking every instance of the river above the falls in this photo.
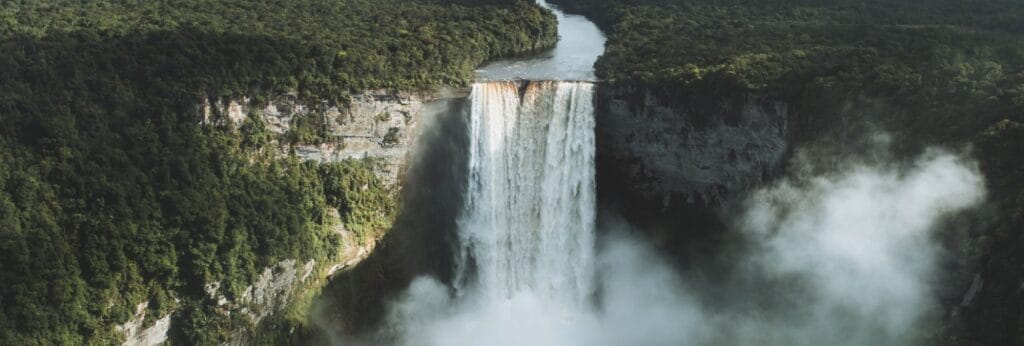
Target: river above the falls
(579, 45)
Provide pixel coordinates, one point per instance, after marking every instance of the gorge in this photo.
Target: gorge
(511, 172)
(544, 255)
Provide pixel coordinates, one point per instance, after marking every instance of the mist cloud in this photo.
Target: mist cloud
(856, 249)
(839, 259)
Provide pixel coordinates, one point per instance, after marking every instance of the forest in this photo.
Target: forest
(906, 54)
(938, 71)
(113, 193)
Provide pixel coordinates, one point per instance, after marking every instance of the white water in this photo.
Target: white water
(852, 251)
(528, 225)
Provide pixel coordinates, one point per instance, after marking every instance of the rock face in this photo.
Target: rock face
(352, 250)
(136, 335)
(375, 124)
(658, 148)
(270, 292)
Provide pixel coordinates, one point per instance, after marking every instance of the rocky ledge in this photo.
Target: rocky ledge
(376, 124)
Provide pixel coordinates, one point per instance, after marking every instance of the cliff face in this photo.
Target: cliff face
(376, 124)
(661, 151)
(673, 163)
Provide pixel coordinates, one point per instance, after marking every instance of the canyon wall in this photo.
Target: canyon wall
(657, 150)
(675, 165)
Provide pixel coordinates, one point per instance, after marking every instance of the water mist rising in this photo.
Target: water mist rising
(841, 258)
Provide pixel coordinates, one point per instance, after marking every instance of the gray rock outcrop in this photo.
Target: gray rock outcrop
(662, 151)
(374, 124)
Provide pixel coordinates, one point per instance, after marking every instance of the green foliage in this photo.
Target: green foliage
(941, 69)
(322, 48)
(112, 193)
(391, 138)
(367, 206)
(309, 129)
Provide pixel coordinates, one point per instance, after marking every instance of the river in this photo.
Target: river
(579, 45)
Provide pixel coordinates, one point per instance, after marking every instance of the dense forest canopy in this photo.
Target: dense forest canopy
(111, 191)
(317, 47)
(888, 46)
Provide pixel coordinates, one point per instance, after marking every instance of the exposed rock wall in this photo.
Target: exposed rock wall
(374, 124)
(270, 293)
(136, 335)
(670, 162)
(654, 146)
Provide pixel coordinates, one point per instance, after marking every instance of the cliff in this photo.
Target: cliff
(675, 165)
(376, 124)
(661, 150)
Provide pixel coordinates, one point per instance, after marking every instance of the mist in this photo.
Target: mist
(838, 258)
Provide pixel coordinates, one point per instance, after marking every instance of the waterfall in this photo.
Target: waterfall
(528, 222)
(853, 248)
